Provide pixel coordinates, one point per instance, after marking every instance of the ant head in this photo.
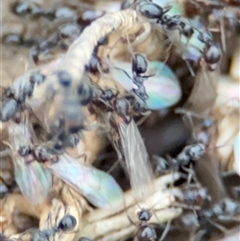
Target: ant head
(139, 64)
(144, 215)
(151, 11)
(68, 222)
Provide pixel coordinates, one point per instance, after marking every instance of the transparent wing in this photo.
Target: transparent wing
(137, 161)
(162, 87)
(203, 95)
(33, 180)
(97, 186)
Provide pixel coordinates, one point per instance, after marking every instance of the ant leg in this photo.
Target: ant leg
(166, 230)
(228, 218)
(114, 165)
(191, 174)
(218, 226)
(146, 115)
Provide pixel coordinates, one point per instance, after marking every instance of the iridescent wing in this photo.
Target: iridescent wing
(97, 186)
(137, 161)
(33, 180)
(162, 86)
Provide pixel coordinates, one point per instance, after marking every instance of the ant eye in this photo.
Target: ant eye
(68, 222)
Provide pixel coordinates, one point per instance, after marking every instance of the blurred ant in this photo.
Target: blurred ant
(60, 39)
(95, 62)
(13, 98)
(192, 196)
(71, 101)
(23, 9)
(224, 210)
(190, 153)
(55, 146)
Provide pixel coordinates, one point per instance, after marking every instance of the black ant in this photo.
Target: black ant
(13, 99)
(67, 224)
(145, 232)
(224, 210)
(152, 11)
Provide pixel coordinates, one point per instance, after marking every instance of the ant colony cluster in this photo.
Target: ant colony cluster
(114, 120)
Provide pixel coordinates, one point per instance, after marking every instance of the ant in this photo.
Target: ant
(224, 210)
(22, 9)
(152, 11)
(13, 99)
(71, 101)
(192, 196)
(95, 62)
(145, 232)
(190, 153)
(139, 69)
(67, 223)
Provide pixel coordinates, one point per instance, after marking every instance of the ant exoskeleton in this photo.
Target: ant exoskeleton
(14, 97)
(66, 224)
(71, 102)
(145, 232)
(190, 153)
(23, 9)
(152, 11)
(225, 210)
